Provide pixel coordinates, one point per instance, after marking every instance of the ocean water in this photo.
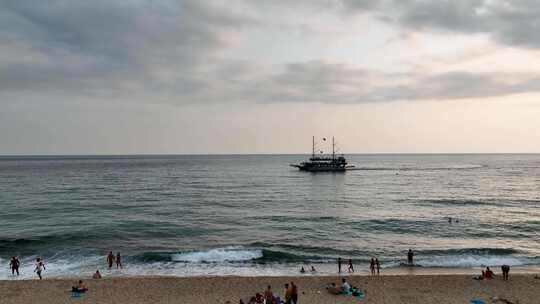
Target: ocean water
(255, 215)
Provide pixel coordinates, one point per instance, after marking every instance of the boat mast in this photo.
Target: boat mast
(313, 148)
(333, 149)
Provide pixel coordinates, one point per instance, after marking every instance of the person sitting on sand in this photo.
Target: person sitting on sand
(97, 275)
(81, 288)
(259, 298)
(345, 287)
(332, 289)
(488, 274)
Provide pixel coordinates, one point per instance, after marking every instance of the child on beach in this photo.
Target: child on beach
(351, 268)
(40, 266)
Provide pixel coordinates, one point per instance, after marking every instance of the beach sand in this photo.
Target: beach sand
(450, 288)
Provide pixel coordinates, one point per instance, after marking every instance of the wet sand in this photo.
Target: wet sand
(427, 288)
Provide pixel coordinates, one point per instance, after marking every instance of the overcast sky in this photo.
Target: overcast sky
(263, 76)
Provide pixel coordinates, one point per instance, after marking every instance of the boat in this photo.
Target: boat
(323, 163)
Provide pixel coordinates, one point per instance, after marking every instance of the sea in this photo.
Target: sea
(254, 215)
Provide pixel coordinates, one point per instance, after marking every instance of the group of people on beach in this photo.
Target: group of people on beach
(290, 296)
(15, 264)
(350, 265)
(111, 259)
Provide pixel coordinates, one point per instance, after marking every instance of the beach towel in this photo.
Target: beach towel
(77, 295)
(478, 301)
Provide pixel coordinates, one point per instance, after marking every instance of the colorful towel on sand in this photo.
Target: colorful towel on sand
(478, 301)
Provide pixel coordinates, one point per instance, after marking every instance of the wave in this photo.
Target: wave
(230, 254)
(427, 168)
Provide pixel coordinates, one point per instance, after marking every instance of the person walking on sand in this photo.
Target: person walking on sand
(40, 266)
(110, 259)
(351, 268)
(410, 257)
(372, 266)
(339, 265)
(294, 293)
(14, 264)
(377, 265)
(118, 260)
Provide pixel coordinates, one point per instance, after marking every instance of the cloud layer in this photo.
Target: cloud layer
(172, 51)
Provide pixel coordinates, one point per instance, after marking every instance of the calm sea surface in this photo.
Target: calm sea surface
(255, 215)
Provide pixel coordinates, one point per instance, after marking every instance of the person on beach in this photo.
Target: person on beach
(288, 294)
(313, 269)
(269, 295)
(14, 264)
(377, 265)
(81, 288)
(372, 266)
(40, 266)
(505, 270)
(294, 293)
(339, 265)
(110, 259)
(302, 270)
(351, 268)
(488, 274)
(410, 257)
(332, 289)
(118, 260)
(97, 275)
(345, 287)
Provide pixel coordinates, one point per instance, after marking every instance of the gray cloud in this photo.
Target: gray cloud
(318, 81)
(513, 22)
(113, 46)
(169, 51)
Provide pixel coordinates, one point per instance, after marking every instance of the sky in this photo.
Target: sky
(264, 76)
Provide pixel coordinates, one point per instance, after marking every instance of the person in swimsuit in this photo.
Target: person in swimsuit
(294, 293)
(14, 264)
(110, 259)
(80, 288)
(97, 275)
(339, 265)
(269, 295)
(40, 266)
(372, 266)
(410, 257)
(377, 265)
(505, 270)
(118, 260)
(351, 268)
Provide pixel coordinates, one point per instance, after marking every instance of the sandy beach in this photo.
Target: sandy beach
(454, 288)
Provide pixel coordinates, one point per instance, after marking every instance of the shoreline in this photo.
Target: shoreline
(426, 288)
(398, 271)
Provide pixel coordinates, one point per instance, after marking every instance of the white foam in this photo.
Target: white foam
(229, 254)
(471, 261)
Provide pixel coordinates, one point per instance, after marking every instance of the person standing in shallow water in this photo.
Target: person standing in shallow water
(40, 266)
(351, 268)
(14, 264)
(410, 257)
(377, 265)
(110, 259)
(372, 266)
(118, 260)
(339, 265)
